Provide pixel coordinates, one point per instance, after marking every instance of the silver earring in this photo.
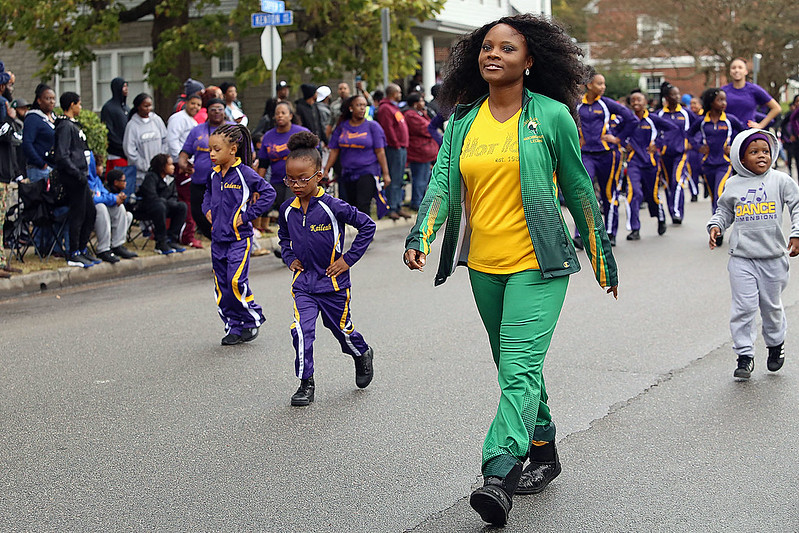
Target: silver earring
(527, 72)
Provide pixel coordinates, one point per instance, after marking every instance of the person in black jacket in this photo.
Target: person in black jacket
(158, 200)
(10, 170)
(308, 111)
(71, 161)
(115, 117)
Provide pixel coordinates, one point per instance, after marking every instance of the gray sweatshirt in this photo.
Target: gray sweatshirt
(754, 202)
(144, 139)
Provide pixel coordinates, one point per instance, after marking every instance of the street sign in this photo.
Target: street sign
(271, 48)
(261, 20)
(273, 6)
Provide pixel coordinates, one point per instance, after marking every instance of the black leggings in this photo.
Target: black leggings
(158, 212)
(197, 195)
(81, 215)
(360, 192)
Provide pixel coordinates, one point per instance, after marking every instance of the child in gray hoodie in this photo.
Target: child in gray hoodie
(754, 198)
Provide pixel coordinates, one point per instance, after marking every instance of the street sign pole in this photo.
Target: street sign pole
(272, 31)
(756, 67)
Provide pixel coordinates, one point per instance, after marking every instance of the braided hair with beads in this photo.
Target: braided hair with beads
(240, 136)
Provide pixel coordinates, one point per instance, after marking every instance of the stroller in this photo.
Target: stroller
(33, 221)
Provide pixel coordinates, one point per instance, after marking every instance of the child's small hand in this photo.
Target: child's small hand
(793, 247)
(208, 216)
(338, 266)
(255, 197)
(296, 266)
(715, 231)
(238, 221)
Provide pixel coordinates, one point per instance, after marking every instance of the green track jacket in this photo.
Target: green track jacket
(549, 156)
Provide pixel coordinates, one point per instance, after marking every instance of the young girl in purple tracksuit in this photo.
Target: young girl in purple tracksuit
(311, 232)
(234, 196)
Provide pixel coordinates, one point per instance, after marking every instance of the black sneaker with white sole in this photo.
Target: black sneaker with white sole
(163, 248)
(76, 259)
(776, 357)
(746, 366)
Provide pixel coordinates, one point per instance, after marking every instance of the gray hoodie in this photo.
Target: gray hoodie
(755, 203)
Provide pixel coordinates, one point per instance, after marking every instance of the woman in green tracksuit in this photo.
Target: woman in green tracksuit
(495, 182)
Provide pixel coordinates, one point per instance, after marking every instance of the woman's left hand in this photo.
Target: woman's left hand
(338, 266)
(614, 290)
(386, 179)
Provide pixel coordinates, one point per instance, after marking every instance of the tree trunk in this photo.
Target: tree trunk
(164, 101)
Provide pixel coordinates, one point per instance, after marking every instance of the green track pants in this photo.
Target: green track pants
(520, 312)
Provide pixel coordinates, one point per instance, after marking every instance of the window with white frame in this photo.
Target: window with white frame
(69, 80)
(128, 64)
(651, 30)
(225, 64)
(651, 84)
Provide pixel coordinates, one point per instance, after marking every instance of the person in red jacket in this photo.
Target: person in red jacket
(393, 123)
(422, 149)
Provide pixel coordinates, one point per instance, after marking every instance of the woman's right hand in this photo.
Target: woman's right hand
(415, 260)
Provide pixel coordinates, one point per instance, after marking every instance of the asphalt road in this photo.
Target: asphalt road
(119, 410)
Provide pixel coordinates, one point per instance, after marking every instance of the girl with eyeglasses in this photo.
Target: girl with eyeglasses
(311, 233)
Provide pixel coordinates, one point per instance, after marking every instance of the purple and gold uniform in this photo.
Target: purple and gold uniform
(316, 238)
(695, 157)
(601, 159)
(717, 136)
(642, 166)
(226, 197)
(675, 158)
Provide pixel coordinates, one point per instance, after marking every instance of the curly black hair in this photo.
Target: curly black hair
(557, 70)
(346, 112)
(158, 163)
(302, 145)
(708, 96)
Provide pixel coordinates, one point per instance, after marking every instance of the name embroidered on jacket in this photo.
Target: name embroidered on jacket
(232, 186)
(321, 227)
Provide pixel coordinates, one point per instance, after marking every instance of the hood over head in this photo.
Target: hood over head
(116, 89)
(738, 143)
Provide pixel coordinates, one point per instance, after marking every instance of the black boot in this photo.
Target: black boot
(494, 500)
(304, 395)
(776, 357)
(544, 467)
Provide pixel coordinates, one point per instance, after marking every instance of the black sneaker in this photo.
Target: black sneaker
(124, 253)
(694, 198)
(612, 239)
(249, 334)
(677, 221)
(745, 367)
(163, 248)
(661, 227)
(304, 395)
(494, 500)
(177, 247)
(363, 368)
(90, 256)
(544, 467)
(231, 339)
(75, 259)
(108, 256)
(634, 236)
(578, 242)
(776, 357)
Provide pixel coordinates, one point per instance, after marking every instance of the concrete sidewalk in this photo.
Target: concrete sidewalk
(61, 278)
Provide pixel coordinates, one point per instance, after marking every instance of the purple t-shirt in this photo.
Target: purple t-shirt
(197, 145)
(357, 145)
(274, 151)
(743, 102)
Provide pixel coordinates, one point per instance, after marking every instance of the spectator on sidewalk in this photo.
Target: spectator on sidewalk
(39, 133)
(10, 169)
(393, 123)
(178, 128)
(422, 149)
(323, 104)
(267, 119)
(158, 201)
(233, 109)
(308, 111)
(145, 135)
(21, 106)
(112, 220)
(335, 107)
(115, 117)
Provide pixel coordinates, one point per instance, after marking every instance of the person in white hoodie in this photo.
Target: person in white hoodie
(754, 199)
(145, 136)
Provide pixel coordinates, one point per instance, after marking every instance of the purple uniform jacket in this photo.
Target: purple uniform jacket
(650, 128)
(595, 121)
(742, 103)
(232, 194)
(197, 145)
(716, 136)
(316, 238)
(675, 139)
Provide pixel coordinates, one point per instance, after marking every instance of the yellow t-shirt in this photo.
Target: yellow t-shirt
(489, 163)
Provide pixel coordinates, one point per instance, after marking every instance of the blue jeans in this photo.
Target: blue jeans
(396, 158)
(420, 179)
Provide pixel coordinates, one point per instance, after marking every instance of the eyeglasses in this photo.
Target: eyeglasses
(302, 181)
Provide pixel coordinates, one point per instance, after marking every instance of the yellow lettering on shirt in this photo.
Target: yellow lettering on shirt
(321, 227)
(489, 163)
(232, 186)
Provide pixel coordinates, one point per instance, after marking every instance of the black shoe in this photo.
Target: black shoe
(707, 193)
(364, 370)
(694, 198)
(661, 227)
(304, 395)
(231, 339)
(612, 239)
(719, 240)
(277, 253)
(776, 357)
(76, 259)
(249, 334)
(163, 248)
(494, 500)
(90, 256)
(745, 367)
(108, 256)
(175, 246)
(124, 253)
(676, 221)
(578, 242)
(544, 467)
(634, 236)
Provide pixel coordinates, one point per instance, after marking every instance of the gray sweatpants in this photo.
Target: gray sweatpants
(111, 226)
(757, 283)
